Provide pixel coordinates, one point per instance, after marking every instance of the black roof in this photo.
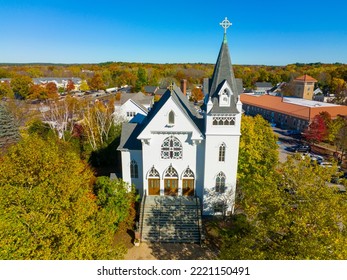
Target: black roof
(130, 131)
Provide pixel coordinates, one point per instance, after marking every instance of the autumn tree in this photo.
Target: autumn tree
(5, 90)
(52, 90)
(98, 123)
(70, 86)
(96, 82)
(47, 206)
(317, 130)
(293, 214)
(341, 138)
(258, 152)
(37, 92)
(197, 94)
(338, 87)
(21, 86)
(84, 86)
(62, 115)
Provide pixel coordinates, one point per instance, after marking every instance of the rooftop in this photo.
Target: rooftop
(301, 108)
(306, 78)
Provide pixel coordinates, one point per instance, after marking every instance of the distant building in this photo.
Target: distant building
(60, 82)
(262, 87)
(304, 87)
(288, 112)
(131, 104)
(150, 89)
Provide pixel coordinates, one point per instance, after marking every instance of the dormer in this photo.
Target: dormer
(224, 98)
(225, 95)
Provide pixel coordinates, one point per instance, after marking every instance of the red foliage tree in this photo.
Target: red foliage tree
(70, 86)
(317, 130)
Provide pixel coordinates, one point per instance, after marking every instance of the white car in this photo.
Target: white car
(326, 164)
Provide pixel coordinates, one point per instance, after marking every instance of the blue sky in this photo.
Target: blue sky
(263, 32)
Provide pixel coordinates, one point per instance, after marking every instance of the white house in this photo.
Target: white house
(133, 104)
(178, 151)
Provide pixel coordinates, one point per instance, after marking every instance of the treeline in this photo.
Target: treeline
(115, 74)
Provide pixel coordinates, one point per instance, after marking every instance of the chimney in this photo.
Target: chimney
(184, 86)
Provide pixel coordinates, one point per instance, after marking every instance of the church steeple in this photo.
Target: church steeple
(223, 70)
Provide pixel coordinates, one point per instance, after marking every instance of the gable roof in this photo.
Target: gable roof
(140, 106)
(138, 97)
(263, 85)
(150, 89)
(181, 101)
(216, 109)
(130, 131)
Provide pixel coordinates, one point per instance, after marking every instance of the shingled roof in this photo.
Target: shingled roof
(130, 131)
(223, 70)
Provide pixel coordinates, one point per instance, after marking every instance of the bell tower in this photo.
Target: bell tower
(222, 133)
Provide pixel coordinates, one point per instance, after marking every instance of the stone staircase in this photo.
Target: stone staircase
(171, 219)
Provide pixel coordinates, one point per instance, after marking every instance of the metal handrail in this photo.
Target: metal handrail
(142, 212)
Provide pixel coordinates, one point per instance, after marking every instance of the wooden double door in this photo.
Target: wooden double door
(188, 187)
(171, 187)
(154, 186)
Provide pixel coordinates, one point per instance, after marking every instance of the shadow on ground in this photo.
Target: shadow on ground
(182, 251)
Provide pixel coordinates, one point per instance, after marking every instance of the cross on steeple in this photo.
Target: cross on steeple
(171, 86)
(225, 24)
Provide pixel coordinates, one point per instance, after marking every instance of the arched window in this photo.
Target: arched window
(224, 99)
(171, 119)
(221, 156)
(134, 169)
(220, 182)
(188, 182)
(171, 181)
(171, 148)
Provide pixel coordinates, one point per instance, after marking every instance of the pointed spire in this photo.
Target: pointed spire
(223, 69)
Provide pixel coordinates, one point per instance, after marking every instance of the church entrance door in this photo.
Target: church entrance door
(171, 187)
(188, 187)
(153, 186)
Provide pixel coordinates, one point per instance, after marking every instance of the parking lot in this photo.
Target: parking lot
(284, 142)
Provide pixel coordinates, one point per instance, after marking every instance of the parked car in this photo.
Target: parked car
(316, 158)
(299, 148)
(326, 164)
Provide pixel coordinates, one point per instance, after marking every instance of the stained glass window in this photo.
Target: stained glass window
(171, 148)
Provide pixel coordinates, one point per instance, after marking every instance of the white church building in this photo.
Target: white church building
(181, 151)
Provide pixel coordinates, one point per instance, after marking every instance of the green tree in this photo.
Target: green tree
(47, 206)
(141, 79)
(258, 153)
(21, 86)
(9, 132)
(291, 214)
(117, 198)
